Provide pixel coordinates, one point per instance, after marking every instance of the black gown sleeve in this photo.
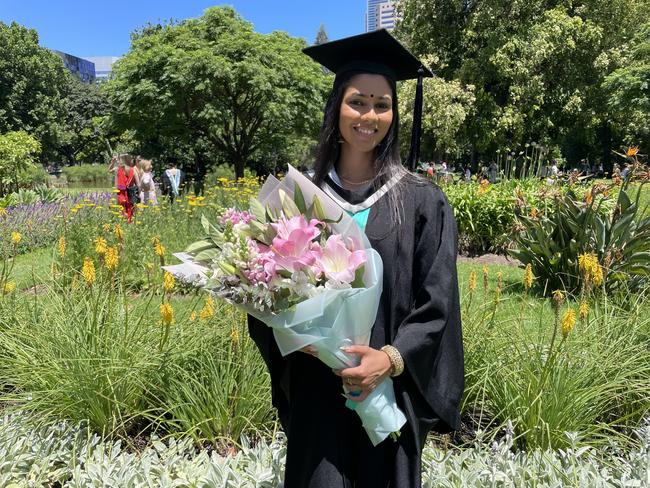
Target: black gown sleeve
(277, 365)
(430, 338)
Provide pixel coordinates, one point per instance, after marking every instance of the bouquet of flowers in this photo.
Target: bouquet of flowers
(301, 265)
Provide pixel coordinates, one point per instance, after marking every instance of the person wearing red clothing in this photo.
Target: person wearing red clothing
(126, 176)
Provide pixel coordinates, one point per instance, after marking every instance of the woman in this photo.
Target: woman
(416, 337)
(147, 184)
(127, 182)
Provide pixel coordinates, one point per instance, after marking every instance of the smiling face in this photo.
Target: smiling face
(366, 111)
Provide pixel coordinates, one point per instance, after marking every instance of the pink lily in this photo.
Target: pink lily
(337, 262)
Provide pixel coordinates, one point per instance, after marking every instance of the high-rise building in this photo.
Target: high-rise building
(381, 14)
(103, 66)
(81, 67)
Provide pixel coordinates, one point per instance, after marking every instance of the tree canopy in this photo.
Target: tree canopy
(538, 66)
(211, 90)
(33, 81)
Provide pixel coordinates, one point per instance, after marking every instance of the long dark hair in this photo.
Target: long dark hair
(387, 162)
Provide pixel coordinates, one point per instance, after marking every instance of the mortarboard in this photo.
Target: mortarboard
(376, 52)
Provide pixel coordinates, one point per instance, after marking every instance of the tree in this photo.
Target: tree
(446, 106)
(629, 90)
(321, 35)
(216, 91)
(538, 65)
(83, 137)
(18, 151)
(32, 83)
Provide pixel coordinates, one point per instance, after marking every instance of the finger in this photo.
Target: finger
(356, 372)
(360, 350)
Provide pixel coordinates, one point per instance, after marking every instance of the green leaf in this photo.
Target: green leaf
(299, 200)
(199, 246)
(258, 210)
(288, 206)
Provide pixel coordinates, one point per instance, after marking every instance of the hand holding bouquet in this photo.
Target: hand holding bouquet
(298, 263)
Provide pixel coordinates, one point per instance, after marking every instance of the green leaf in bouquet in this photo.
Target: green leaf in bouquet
(288, 206)
(358, 278)
(199, 246)
(259, 232)
(207, 255)
(319, 212)
(210, 229)
(258, 210)
(272, 214)
(227, 268)
(299, 200)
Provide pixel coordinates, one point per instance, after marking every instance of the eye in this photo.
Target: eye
(383, 106)
(356, 103)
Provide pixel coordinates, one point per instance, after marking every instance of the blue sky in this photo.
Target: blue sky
(101, 28)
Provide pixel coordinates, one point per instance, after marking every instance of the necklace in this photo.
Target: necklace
(350, 182)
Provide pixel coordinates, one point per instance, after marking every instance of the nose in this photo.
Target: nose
(370, 115)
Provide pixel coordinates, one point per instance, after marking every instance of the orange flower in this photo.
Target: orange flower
(632, 151)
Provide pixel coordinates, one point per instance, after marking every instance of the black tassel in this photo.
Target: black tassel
(414, 154)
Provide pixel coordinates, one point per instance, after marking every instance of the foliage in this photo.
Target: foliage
(537, 77)
(628, 89)
(552, 244)
(223, 92)
(33, 80)
(68, 455)
(88, 173)
(84, 135)
(18, 151)
(446, 106)
(486, 213)
(549, 371)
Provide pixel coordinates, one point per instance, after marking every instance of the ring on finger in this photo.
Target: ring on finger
(348, 382)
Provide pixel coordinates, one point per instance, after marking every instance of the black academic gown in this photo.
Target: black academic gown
(419, 314)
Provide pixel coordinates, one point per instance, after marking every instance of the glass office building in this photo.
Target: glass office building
(380, 14)
(83, 68)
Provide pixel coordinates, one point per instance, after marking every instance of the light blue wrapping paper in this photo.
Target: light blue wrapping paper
(332, 319)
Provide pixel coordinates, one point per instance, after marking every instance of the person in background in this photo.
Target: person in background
(172, 181)
(431, 171)
(147, 184)
(467, 173)
(127, 182)
(492, 172)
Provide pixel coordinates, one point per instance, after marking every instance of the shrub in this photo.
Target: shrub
(88, 173)
(619, 239)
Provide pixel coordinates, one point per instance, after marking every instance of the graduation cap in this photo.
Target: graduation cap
(376, 52)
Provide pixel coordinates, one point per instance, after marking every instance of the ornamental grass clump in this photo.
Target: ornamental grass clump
(557, 366)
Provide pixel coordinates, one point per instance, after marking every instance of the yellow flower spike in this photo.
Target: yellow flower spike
(3, 212)
(472, 281)
(16, 238)
(167, 313)
(528, 277)
(111, 258)
(568, 322)
(88, 271)
(558, 298)
(192, 316)
(119, 232)
(583, 310)
(159, 249)
(208, 309)
(100, 245)
(500, 280)
(234, 336)
(9, 287)
(61, 247)
(106, 227)
(168, 282)
(598, 275)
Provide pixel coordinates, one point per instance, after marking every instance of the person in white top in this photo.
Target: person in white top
(147, 183)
